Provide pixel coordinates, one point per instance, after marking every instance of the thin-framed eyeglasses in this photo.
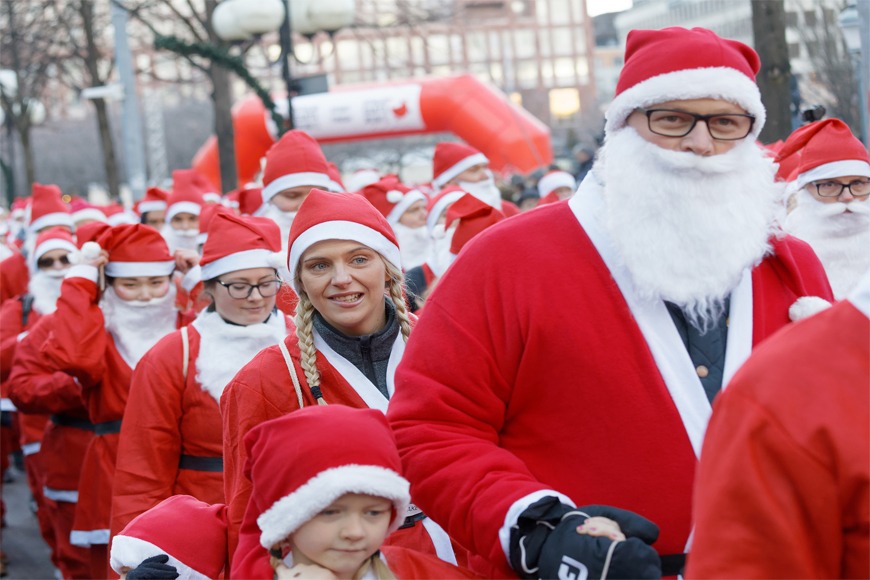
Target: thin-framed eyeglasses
(858, 188)
(243, 290)
(45, 262)
(722, 127)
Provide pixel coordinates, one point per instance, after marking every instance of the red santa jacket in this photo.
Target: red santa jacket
(533, 374)
(783, 487)
(14, 276)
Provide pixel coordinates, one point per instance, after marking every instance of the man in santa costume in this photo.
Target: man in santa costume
(831, 211)
(405, 210)
(783, 487)
(466, 167)
(113, 307)
(580, 369)
(556, 186)
(183, 207)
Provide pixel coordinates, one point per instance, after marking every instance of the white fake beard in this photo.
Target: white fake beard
(284, 219)
(5, 251)
(840, 238)
(486, 191)
(135, 325)
(225, 348)
(179, 239)
(414, 244)
(44, 286)
(439, 252)
(687, 226)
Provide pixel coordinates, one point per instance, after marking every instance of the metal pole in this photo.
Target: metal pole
(863, 64)
(134, 153)
(286, 37)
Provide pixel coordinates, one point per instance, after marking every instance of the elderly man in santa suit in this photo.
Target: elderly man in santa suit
(831, 211)
(580, 370)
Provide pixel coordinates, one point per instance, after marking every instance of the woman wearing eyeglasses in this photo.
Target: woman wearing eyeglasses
(171, 440)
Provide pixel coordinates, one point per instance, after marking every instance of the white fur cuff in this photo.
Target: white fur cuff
(806, 306)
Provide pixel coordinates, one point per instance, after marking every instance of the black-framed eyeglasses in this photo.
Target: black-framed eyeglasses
(243, 290)
(671, 123)
(45, 262)
(858, 188)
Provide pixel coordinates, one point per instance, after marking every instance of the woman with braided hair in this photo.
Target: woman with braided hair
(351, 327)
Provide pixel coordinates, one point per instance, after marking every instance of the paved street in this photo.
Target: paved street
(28, 556)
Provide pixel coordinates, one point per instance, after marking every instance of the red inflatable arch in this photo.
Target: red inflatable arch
(508, 135)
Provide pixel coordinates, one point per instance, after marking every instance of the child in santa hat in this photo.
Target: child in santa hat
(171, 438)
(351, 327)
(324, 510)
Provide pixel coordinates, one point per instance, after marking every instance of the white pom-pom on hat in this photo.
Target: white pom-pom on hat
(89, 251)
(806, 306)
(395, 196)
(277, 260)
(439, 231)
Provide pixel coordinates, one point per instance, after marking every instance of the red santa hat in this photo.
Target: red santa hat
(52, 239)
(19, 207)
(439, 203)
(250, 200)
(451, 159)
(186, 196)
(391, 197)
(47, 208)
(295, 160)
(191, 532)
(82, 210)
(135, 250)
(554, 180)
(473, 216)
(293, 483)
(208, 212)
(678, 64)
(155, 199)
(361, 178)
(240, 242)
(826, 149)
(340, 216)
(336, 184)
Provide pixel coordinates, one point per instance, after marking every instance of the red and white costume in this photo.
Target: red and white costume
(783, 487)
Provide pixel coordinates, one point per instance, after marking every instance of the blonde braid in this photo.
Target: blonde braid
(379, 569)
(304, 321)
(397, 294)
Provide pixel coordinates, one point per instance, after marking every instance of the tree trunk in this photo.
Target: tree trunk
(27, 154)
(768, 28)
(223, 104)
(110, 163)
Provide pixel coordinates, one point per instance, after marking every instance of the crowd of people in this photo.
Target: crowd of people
(395, 380)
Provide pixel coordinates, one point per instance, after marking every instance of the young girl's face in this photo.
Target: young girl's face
(344, 535)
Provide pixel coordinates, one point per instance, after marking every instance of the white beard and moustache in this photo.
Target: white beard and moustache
(179, 239)
(225, 348)
(486, 191)
(684, 225)
(137, 326)
(414, 244)
(44, 286)
(284, 219)
(439, 252)
(840, 239)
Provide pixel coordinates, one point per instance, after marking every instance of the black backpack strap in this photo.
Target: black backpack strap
(26, 307)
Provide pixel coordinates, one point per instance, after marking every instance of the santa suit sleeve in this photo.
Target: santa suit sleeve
(782, 485)
(150, 442)
(10, 328)
(77, 342)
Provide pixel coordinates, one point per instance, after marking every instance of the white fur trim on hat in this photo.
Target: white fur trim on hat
(311, 178)
(212, 197)
(128, 552)
(136, 269)
(256, 258)
(182, 207)
(834, 169)
(89, 213)
(458, 168)
(52, 244)
(439, 207)
(554, 180)
(335, 187)
(291, 511)
(402, 205)
(122, 217)
(699, 83)
(342, 230)
(51, 219)
(806, 306)
(154, 205)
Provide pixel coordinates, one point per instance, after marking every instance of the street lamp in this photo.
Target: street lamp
(850, 25)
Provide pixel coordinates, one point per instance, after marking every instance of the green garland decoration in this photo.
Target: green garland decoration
(221, 57)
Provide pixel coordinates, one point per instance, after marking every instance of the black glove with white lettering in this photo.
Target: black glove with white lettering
(545, 544)
(153, 568)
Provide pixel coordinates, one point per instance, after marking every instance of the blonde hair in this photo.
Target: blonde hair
(304, 321)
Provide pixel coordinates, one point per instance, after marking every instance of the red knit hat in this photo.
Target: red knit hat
(473, 216)
(391, 197)
(295, 160)
(155, 199)
(340, 216)
(48, 209)
(240, 242)
(52, 239)
(191, 532)
(186, 196)
(451, 159)
(136, 250)
(296, 471)
(554, 180)
(677, 64)
(826, 149)
(441, 202)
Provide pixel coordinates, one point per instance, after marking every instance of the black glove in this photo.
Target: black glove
(153, 568)
(545, 544)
